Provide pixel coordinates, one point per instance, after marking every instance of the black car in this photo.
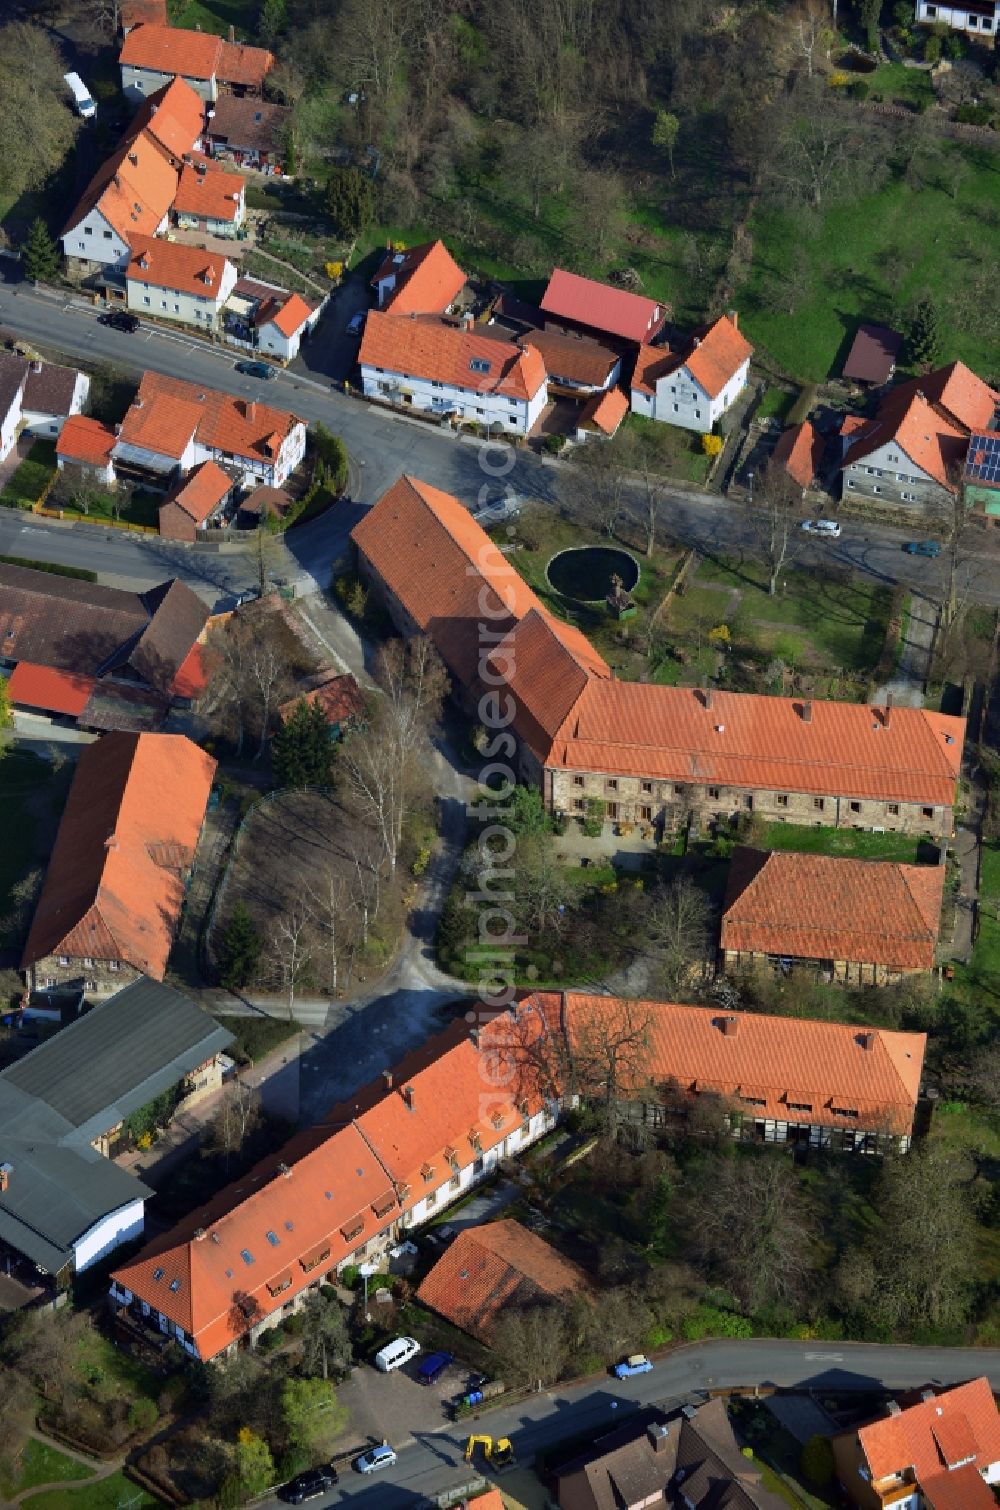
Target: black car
(120, 319)
(310, 1485)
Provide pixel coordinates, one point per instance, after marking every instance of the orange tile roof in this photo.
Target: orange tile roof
(957, 392)
(908, 420)
(574, 358)
(332, 1189)
(143, 12)
(604, 412)
(750, 741)
(652, 363)
(83, 439)
(166, 412)
(820, 908)
(490, 1268)
(192, 674)
(132, 190)
(171, 49)
(241, 64)
(717, 355)
(545, 668)
(615, 311)
(340, 698)
(115, 882)
(800, 450)
(438, 562)
(172, 265)
(428, 279)
(214, 195)
(775, 1060)
(32, 686)
(174, 116)
(291, 316)
(961, 1489)
(434, 351)
(934, 1434)
(491, 1500)
(202, 490)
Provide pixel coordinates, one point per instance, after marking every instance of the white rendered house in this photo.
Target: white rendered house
(693, 390)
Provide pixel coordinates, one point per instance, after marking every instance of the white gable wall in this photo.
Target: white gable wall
(96, 240)
(110, 1232)
(408, 392)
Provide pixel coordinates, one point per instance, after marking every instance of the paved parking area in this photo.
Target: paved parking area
(395, 1406)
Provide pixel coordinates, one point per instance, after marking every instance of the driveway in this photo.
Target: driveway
(913, 666)
(395, 1407)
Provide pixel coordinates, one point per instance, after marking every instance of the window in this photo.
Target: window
(876, 489)
(713, 793)
(107, 235)
(64, 960)
(432, 1197)
(850, 482)
(893, 808)
(799, 1106)
(82, 245)
(613, 811)
(145, 299)
(819, 803)
(781, 798)
(645, 815)
(90, 985)
(114, 964)
(88, 230)
(436, 384)
(273, 1239)
(454, 1182)
(855, 807)
(246, 1255)
(697, 414)
(578, 781)
(753, 1100)
(88, 963)
(647, 786)
(928, 812)
(844, 1111)
(612, 783)
(175, 1285)
(479, 364)
(678, 789)
(163, 303)
(157, 1274)
(177, 309)
(892, 458)
(909, 497)
(748, 802)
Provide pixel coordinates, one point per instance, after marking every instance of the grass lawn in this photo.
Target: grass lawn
(813, 618)
(219, 15)
(969, 1128)
(775, 404)
(256, 1036)
(29, 481)
(893, 84)
(111, 1373)
(852, 842)
(115, 1492)
(142, 508)
(41, 1464)
(853, 251)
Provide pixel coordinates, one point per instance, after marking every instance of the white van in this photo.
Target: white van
(396, 1353)
(81, 97)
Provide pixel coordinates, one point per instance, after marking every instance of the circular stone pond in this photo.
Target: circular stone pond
(585, 572)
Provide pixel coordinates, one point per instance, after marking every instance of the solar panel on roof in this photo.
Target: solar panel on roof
(983, 460)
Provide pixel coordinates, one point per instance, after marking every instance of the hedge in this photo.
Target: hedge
(52, 566)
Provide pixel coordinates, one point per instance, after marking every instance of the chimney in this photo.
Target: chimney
(199, 1234)
(111, 842)
(6, 1170)
(249, 408)
(697, 341)
(468, 322)
(867, 1040)
(232, 33)
(658, 1435)
(734, 317)
(706, 698)
(730, 1025)
(925, 1395)
(887, 716)
(133, 158)
(284, 1169)
(408, 1096)
(387, 1079)
(807, 713)
(36, 366)
(893, 1408)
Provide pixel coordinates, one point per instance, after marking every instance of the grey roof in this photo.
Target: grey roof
(75, 1087)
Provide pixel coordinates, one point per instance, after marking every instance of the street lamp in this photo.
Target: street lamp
(750, 483)
(366, 1271)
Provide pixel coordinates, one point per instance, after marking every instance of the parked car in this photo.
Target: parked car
(374, 1459)
(310, 1485)
(258, 370)
(356, 323)
(822, 527)
(637, 1363)
(396, 1353)
(923, 547)
(119, 319)
(433, 1367)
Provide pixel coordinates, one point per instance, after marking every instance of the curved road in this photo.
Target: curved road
(433, 1461)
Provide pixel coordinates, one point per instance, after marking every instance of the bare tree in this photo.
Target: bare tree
(678, 930)
(602, 476)
(812, 151)
(544, 894)
(292, 948)
(531, 1343)
(238, 1116)
(810, 32)
(774, 522)
(955, 524)
(332, 907)
(606, 1052)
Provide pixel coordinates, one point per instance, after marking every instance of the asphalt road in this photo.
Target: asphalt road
(381, 446)
(434, 1462)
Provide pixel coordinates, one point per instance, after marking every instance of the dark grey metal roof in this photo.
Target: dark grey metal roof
(75, 1087)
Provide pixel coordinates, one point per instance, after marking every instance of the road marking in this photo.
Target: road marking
(823, 1357)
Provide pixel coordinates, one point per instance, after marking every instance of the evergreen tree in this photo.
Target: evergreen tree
(350, 199)
(240, 949)
(39, 253)
(925, 335)
(302, 750)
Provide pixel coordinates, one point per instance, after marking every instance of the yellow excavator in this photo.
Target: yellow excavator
(499, 1454)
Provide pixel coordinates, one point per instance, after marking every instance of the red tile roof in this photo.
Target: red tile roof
(573, 358)
(290, 317)
(961, 396)
(612, 310)
(214, 195)
(201, 491)
(172, 265)
(491, 1500)
(820, 908)
(195, 55)
(775, 1060)
(716, 356)
(340, 698)
(87, 440)
(935, 1434)
(800, 450)
(962, 1489)
(652, 363)
(428, 279)
(166, 412)
(447, 573)
(545, 664)
(192, 674)
(604, 412)
(115, 882)
(873, 354)
(930, 441)
(31, 686)
(133, 190)
(437, 352)
(174, 117)
(501, 1265)
(143, 12)
(750, 741)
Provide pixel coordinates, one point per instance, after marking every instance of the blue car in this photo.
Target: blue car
(433, 1367)
(257, 370)
(638, 1363)
(922, 547)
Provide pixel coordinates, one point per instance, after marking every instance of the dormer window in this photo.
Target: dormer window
(480, 364)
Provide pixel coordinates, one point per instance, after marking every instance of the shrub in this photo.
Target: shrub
(838, 79)
(593, 822)
(711, 445)
(954, 45)
(349, 1276)
(974, 115)
(554, 444)
(817, 1462)
(932, 49)
(334, 271)
(860, 89)
(142, 1415)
